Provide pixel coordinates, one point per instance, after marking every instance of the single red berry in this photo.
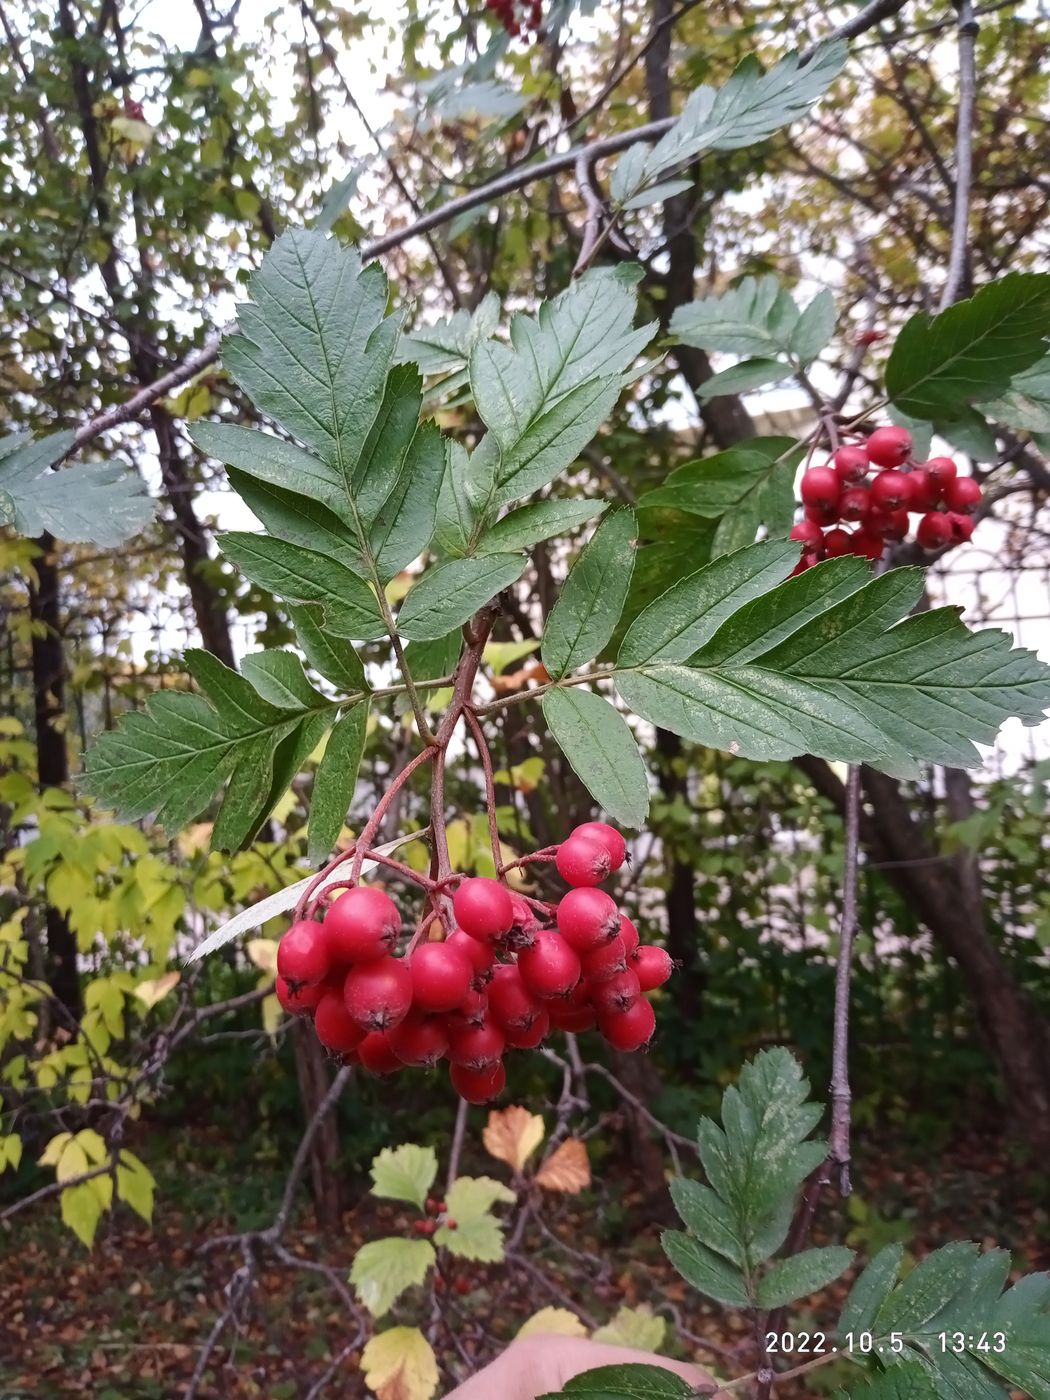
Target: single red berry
(889, 447)
(963, 527)
(837, 542)
(471, 1011)
(806, 562)
(476, 1047)
(377, 1054)
(361, 925)
(451, 1224)
(854, 503)
(922, 492)
(478, 1086)
(550, 968)
(963, 495)
(941, 472)
(528, 1037)
(889, 524)
(419, 1039)
(299, 1000)
(583, 862)
(478, 954)
(822, 517)
(868, 545)
(630, 1029)
(629, 934)
(935, 531)
(587, 918)
(512, 1005)
(820, 487)
(851, 464)
(483, 907)
(461, 1285)
(441, 976)
(606, 961)
(617, 993)
(378, 994)
(424, 1227)
(809, 535)
(890, 490)
(572, 1018)
(606, 836)
(652, 966)
(303, 958)
(335, 1027)
(431, 1206)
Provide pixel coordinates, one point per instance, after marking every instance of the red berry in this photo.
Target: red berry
(441, 976)
(335, 1027)
(820, 487)
(629, 934)
(483, 907)
(809, 535)
(302, 954)
(630, 1029)
(424, 1227)
(935, 531)
(564, 1017)
(606, 961)
(476, 1047)
(837, 542)
(470, 1012)
(890, 490)
(890, 524)
(889, 447)
(963, 495)
(940, 471)
(652, 966)
(822, 517)
(478, 1086)
(377, 1054)
(606, 836)
(461, 1285)
(361, 925)
(512, 1005)
(528, 1037)
(419, 1039)
(962, 527)
(587, 918)
(854, 503)
(478, 954)
(867, 545)
(922, 493)
(550, 968)
(616, 994)
(851, 464)
(299, 1000)
(582, 861)
(378, 994)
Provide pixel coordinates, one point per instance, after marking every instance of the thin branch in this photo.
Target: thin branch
(959, 256)
(839, 1141)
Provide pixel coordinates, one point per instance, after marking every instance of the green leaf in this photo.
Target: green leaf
(598, 742)
(445, 346)
(303, 576)
(430, 661)
(449, 594)
(404, 1173)
(404, 523)
(930, 1286)
(689, 614)
(278, 676)
(335, 781)
(741, 378)
(298, 519)
(757, 317)
(384, 1269)
(585, 616)
(708, 1272)
(870, 1291)
(970, 352)
(103, 503)
(636, 1327)
(906, 1381)
(666, 189)
(796, 672)
(480, 1239)
(712, 486)
(81, 1208)
(331, 657)
(625, 1383)
(543, 520)
(707, 1217)
(1026, 403)
(801, 1274)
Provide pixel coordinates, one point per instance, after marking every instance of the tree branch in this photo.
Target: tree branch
(959, 257)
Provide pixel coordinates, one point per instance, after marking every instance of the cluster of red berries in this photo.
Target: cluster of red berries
(438, 1209)
(516, 17)
(840, 493)
(510, 971)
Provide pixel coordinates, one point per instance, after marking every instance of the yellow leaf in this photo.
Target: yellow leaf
(558, 1322)
(399, 1364)
(638, 1327)
(93, 1145)
(149, 993)
(194, 839)
(512, 1135)
(81, 1211)
(272, 1015)
(54, 1149)
(567, 1169)
(198, 78)
(263, 953)
(499, 655)
(73, 1161)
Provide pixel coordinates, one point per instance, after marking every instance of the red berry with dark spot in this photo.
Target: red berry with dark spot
(820, 487)
(616, 994)
(890, 490)
(476, 1047)
(483, 908)
(963, 495)
(378, 994)
(564, 1017)
(528, 1037)
(587, 918)
(441, 976)
(854, 503)
(377, 1054)
(583, 862)
(605, 962)
(889, 447)
(419, 1039)
(335, 1027)
(822, 517)
(303, 958)
(630, 1029)
(478, 954)
(362, 925)
(941, 472)
(652, 966)
(461, 1285)
(512, 1005)
(550, 968)
(935, 531)
(962, 527)
(629, 934)
(851, 464)
(478, 1086)
(299, 1000)
(809, 535)
(606, 836)
(837, 542)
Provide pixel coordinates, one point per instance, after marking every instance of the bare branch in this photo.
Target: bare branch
(959, 257)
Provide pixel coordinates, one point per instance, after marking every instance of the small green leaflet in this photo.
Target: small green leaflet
(904, 1382)
(971, 352)
(802, 1274)
(478, 1234)
(742, 378)
(384, 1269)
(598, 742)
(335, 781)
(585, 616)
(625, 1383)
(758, 317)
(1026, 404)
(303, 576)
(101, 502)
(541, 521)
(404, 1173)
(708, 1273)
(445, 347)
(823, 664)
(450, 593)
(331, 657)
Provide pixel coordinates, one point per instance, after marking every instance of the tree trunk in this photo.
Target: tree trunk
(49, 675)
(311, 1067)
(683, 927)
